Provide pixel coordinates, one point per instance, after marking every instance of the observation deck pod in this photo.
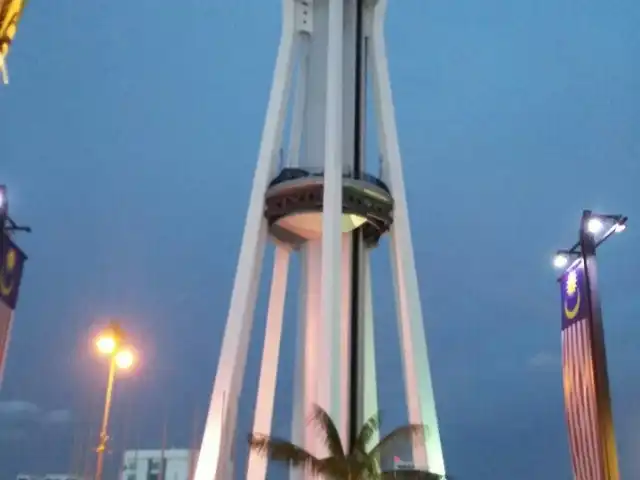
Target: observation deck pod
(294, 205)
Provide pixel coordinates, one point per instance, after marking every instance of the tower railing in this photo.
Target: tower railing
(294, 173)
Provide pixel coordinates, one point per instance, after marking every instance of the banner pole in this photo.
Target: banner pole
(607, 444)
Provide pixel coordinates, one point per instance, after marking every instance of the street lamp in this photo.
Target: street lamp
(111, 343)
(7, 225)
(584, 369)
(12, 260)
(4, 204)
(594, 230)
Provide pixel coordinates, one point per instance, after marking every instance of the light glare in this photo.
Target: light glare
(124, 359)
(620, 227)
(595, 225)
(560, 261)
(106, 344)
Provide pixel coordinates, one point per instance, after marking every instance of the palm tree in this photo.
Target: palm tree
(359, 463)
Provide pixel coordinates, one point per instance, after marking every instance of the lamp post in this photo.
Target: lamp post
(111, 342)
(12, 260)
(584, 369)
(7, 225)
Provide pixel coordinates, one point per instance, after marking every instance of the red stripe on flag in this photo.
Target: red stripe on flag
(567, 382)
(580, 402)
(6, 316)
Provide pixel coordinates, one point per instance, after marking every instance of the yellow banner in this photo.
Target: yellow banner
(10, 12)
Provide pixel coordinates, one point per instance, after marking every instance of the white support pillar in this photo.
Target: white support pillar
(219, 432)
(417, 374)
(368, 372)
(348, 84)
(301, 366)
(300, 102)
(298, 423)
(344, 331)
(257, 466)
(329, 389)
(314, 361)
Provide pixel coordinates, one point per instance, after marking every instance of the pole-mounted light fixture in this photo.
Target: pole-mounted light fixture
(600, 227)
(111, 342)
(584, 360)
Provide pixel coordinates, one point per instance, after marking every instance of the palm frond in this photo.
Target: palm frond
(283, 451)
(330, 434)
(412, 432)
(334, 467)
(361, 467)
(367, 432)
(373, 468)
(435, 476)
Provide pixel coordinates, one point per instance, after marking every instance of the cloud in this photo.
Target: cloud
(544, 361)
(18, 408)
(21, 411)
(57, 416)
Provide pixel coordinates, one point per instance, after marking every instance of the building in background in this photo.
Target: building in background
(169, 464)
(49, 476)
(407, 475)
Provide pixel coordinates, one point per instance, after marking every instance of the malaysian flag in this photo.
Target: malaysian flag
(578, 375)
(11, 264)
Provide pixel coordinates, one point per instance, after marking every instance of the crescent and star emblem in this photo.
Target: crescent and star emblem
(6, 280)
(572, 289)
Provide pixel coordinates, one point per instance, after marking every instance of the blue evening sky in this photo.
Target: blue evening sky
(129, 135)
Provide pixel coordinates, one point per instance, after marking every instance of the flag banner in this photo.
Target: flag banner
(578, 376)
(10, 12)
(11, 265)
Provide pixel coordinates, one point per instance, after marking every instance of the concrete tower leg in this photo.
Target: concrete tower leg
(329, 396)
(219, 431)
(417, 373)
(257, 467)
(368, 371)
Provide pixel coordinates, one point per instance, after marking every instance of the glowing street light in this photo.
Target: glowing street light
(560, 260)
(111, 343)
(620, 227)
(3, 201)
(595, 225)
(594, 230)
(583, 345)
(124, 359)
(7, 225)
(106, 344)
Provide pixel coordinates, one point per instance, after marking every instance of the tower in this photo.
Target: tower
(317, 201)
